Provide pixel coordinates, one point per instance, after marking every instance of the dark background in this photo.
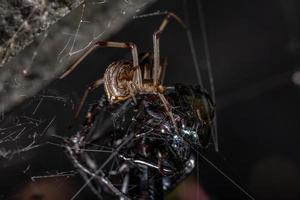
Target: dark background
(254, 49)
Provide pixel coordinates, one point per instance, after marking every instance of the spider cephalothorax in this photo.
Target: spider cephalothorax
(120, 79)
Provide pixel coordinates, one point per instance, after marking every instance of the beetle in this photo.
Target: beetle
(131, 150)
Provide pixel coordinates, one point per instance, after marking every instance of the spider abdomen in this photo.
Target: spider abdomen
(117, 77)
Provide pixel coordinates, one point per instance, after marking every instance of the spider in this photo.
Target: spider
(123, 79)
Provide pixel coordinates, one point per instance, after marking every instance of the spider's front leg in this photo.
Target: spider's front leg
(156, 40)
(122, 45)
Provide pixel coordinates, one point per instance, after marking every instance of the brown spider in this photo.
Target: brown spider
(123, 79)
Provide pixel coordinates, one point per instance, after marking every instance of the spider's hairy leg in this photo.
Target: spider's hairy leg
(156, 37)
(168, 109)
(78, 61)
(126, 45)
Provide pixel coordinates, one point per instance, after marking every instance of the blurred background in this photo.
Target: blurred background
(253, 48)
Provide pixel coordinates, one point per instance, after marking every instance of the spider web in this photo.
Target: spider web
(30, 130)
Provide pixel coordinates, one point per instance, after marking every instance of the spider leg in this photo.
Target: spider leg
(156, 37)
(90, 88)
(168, 109)
(99, 44)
